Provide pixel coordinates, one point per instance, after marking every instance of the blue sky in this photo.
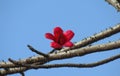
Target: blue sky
(25, 22)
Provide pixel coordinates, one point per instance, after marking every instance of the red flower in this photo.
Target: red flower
(60, 38)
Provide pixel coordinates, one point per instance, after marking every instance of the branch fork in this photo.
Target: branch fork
(81, 48)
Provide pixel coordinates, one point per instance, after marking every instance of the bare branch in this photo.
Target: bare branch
(47, 66)
(15, 62)
(38, 52)
(15, 70)
(63, 55)
(77, 52)
(114, 3)
(104, 34)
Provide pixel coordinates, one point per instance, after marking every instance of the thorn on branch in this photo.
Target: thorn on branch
(94, 34)
(6, 69)
(16, 63)
(23, 65)
(36, 51)
(19, 64)
(13, 61)
(109, 41)
(111, 28)
(5, 63)
(85, 38)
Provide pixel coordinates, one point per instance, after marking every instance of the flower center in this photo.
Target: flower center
(61, 39)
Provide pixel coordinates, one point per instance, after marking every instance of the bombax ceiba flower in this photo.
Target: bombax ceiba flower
(60, 38)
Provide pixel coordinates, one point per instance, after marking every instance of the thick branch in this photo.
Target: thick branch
(107, 33)
(69, 54)
(47, 66)
(73, 53)
(63, 55)
(114, 3)
(84, 42)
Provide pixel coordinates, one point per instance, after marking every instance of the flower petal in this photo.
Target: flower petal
(58, 32)
(49, 36)
(69, 34)
(68, 44)
(56, 45)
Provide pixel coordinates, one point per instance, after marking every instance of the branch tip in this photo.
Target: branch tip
(36, 51)
(13, 61)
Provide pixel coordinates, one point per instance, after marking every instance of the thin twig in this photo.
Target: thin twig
(5, 67)
(14, 62)
(19, 64)
(38, 52)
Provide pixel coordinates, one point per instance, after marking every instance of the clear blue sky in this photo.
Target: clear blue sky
(25, 22)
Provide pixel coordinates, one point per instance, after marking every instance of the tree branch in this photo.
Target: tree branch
(63, 55)
(38, 52)
(47, 66)
(84, 42)
(114, 3)
(96, 37)
(79, 50)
